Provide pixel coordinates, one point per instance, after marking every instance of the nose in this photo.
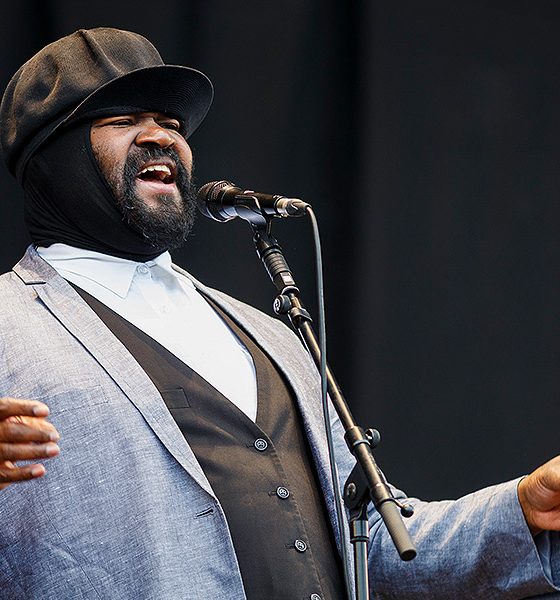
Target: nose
(156, 135)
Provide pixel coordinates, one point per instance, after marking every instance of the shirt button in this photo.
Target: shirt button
(282, 492)
(300, 545)
(315, 597)
(260, 444)
(143, 269)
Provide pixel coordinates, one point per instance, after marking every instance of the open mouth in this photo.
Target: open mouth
(158, 172)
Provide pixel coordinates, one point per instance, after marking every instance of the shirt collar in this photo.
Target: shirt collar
(111, 272)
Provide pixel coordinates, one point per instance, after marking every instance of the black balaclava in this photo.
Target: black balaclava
(68, 200)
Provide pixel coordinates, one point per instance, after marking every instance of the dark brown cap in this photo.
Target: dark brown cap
(94, 71)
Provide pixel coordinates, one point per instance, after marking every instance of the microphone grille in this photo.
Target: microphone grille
(211, 191)
(208, 194)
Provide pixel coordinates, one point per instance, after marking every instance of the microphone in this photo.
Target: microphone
(223, 201)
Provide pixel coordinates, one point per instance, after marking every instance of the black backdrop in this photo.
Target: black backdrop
(426, 135)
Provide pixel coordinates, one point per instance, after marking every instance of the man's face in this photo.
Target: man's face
(147, 164)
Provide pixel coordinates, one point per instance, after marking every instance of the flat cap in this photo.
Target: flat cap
(94, 71)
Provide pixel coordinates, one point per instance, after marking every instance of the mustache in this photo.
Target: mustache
(138, 156)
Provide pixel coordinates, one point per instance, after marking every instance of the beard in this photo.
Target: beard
(171, 220)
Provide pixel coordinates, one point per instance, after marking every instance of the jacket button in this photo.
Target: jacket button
(282, 492)
(315, 597)
(261, 445)
(300, 545)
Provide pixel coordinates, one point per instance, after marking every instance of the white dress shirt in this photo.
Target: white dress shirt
(165, 305)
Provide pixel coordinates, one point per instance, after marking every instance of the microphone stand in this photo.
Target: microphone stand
(366, 482)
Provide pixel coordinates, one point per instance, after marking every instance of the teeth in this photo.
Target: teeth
(161, 168)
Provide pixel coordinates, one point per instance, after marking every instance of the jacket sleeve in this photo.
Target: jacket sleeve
(478, 546)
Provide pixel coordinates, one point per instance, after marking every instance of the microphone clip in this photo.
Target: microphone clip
(249, 209)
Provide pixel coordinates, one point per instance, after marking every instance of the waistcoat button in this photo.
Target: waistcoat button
(300, 545)
(282, 492)
(260, 444)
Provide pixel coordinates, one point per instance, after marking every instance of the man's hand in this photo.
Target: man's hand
(25, 434)
(539, 496)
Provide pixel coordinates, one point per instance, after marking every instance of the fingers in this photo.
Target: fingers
(27, 429)
(549, 474)
(539, 497)
(15, 452)
(10, 473)
(13, 407)
(25, 434)
(24, 421)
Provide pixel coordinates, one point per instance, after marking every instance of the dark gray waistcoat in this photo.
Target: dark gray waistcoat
(261, 472)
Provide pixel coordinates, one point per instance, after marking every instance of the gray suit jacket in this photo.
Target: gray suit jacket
(126, 512)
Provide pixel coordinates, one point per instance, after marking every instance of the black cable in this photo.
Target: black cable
(324, 396)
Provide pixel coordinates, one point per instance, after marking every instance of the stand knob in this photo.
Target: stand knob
(374, 437)
(281, 304)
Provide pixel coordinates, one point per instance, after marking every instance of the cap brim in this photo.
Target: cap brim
(175, 90)
(178, 91)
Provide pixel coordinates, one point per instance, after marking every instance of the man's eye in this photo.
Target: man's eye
(122, 121)
(174, 125)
